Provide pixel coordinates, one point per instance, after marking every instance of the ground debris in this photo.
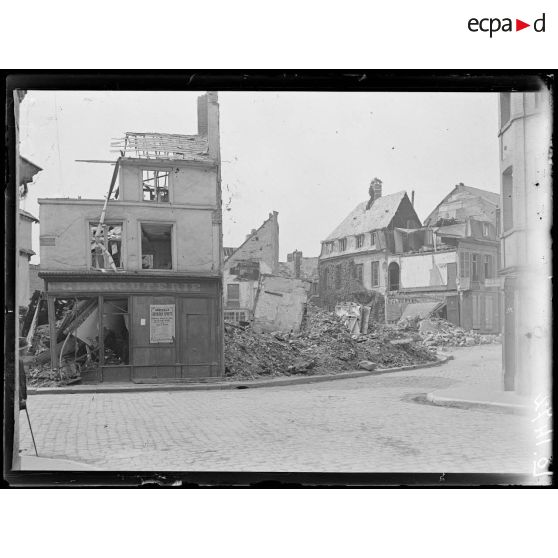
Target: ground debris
(436, 332)
(323, 346)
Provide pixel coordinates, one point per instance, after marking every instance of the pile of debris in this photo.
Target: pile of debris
(323, 346)
(436, 332)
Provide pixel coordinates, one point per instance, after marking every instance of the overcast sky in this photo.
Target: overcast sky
(309, 156)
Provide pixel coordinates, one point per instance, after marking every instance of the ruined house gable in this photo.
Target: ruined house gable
(262, 245)
(466, 202)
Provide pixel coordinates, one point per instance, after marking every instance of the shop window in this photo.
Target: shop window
(105, 245)
(233, 295)
(375, 274)
(116, 332)
(156, 246)
(155, 185)
(507, 194)
(359, 240)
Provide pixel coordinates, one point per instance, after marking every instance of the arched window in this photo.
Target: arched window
(393, 276)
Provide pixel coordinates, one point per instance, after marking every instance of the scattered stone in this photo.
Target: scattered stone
(367, 365)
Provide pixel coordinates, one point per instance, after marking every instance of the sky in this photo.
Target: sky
(309, 156)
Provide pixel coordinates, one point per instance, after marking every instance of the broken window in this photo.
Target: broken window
(475, 267)
(105, 245)
(342, 244)
(328, 247)
(155, 184)
(393, 275)
(233, 295)
(359, 240)
(375, 274)
(116, 328)
(156, 246)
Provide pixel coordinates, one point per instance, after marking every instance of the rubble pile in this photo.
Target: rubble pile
(436, 332)
(323, 346)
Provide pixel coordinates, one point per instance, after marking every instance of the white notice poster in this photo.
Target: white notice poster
(161, 323)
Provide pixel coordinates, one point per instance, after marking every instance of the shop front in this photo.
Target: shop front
(131, 327)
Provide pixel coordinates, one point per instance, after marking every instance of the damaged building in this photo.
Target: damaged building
(381, 256)
(449, 266)
(141, 270)
(353, 263)
(299, 266)
(257, 292)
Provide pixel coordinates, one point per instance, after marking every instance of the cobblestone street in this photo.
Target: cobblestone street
(354, 425)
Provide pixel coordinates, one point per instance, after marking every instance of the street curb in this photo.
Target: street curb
(442, 401)
(135, 388)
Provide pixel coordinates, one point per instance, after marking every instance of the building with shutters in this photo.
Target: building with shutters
(141, 272)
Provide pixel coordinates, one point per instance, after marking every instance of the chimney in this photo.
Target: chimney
(202, 115)
(374, 191)
(413, 198)
(297, 262)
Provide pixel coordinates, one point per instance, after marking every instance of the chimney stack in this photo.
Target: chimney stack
(374, 191)
(297, 263)
(202, 115)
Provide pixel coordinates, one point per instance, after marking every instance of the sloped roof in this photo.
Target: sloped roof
(28, 215)
(228, 251)
(362, 220)
(149, 145)
(490, 197)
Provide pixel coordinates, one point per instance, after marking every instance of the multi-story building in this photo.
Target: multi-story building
(353, 263)
(143, 269)
(453, 260)
(525, 181)
(299, 266)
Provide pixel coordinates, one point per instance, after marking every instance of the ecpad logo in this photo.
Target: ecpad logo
(493, 25)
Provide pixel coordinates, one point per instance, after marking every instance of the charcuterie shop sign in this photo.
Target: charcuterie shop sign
(161, 323)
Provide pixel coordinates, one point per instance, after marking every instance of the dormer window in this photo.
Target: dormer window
(155, 185)
(342, 244)
(373, 238)
(485, 229)
(359, 240)
(328, 247)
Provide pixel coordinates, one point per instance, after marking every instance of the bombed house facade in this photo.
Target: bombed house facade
(381, 256)
(525, 188)
(353, 263)
(142, 270)
(256, 291)
(242, 268)
(449, 266)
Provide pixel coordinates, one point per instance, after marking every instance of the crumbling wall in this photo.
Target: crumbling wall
(261, 245)
(280, 304)
(424, 270)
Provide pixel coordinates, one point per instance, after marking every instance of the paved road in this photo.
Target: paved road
(357, 425)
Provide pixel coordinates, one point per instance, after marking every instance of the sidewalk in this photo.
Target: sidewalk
(480, 396)
(221, 383)
(33, 463)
